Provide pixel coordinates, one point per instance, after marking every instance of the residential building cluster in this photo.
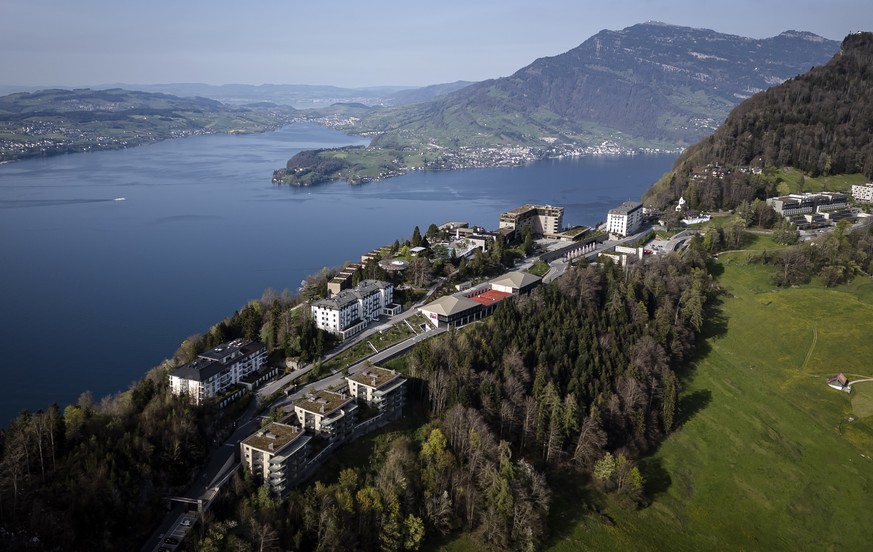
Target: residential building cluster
(280, 453)
(218, 370)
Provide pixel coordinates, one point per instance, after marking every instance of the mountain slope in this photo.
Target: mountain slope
(820, 123)
(655, 82)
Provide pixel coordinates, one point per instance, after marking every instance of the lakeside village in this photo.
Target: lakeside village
(307, 424)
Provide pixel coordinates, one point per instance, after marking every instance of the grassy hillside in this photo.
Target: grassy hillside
(767, 458)
(771, 459)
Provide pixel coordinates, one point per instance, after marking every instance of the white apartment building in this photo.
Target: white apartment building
(380, 388)
(276, 454)
(863, 192)
(348, 312)
(625, 219)
(217, 369)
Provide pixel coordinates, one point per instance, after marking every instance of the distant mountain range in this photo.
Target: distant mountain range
(300, 96)
(50, 122)
(820, 123)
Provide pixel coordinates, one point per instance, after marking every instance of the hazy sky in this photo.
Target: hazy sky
(352, 42)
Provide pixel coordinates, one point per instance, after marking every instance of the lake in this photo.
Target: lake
(95, 291)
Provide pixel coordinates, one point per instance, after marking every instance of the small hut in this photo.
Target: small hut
(840, 382)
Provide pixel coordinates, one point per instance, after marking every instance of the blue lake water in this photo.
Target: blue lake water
(94, 292)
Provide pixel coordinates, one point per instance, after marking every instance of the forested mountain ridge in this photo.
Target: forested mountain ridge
(820, 123)
(49, 122)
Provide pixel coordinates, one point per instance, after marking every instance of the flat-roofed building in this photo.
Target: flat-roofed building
(544, 220)
(863, 192)
(276, 454)
(350, 311)
(217, 369)
(327, 413)
(803, 204)
(380, 388)
(625, 219)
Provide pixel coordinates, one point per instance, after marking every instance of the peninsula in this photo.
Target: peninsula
(52, 122)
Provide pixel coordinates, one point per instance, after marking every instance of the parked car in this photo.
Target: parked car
(186, 522)
(171, 540)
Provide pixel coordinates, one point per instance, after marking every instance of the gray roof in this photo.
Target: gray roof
(450, 304)
(516, 280)
(626, 208)
(209, 363)
(349, 296)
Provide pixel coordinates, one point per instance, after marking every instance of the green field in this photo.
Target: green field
(767, 457)
(767, 460)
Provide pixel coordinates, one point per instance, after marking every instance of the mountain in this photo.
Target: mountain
(651, 82)
(820, 123)
(49, 122)
(651, 86)
(300, 96)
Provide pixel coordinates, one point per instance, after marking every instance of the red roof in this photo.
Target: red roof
(490, 297)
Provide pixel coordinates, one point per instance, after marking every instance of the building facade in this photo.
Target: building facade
(218, 369)
(380, 388)
(625, 219)
(803, 204)
(350, 311)
(328, 414)
(276, 455)
(863, 192)
(544, 220)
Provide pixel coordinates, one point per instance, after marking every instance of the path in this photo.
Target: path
(811, 347)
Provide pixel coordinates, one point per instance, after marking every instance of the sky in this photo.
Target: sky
(352, 43)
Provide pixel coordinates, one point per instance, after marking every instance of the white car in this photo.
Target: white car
(186, 522)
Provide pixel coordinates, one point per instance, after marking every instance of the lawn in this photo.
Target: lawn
(381, 341)
(767, 458)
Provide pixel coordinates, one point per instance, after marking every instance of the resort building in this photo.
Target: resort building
(276, 455)
(863, 193)
(803, 204)
(625, 219)
(218, 369)
(350, 311)
(515, 282)
(478, 302)
(326, 413)
(380, 388)
(544, 220)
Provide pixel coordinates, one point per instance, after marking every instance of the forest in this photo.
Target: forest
(581, 375)
(580, 378)
(820, 123)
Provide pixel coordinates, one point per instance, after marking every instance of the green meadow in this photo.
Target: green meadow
(769, 457)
